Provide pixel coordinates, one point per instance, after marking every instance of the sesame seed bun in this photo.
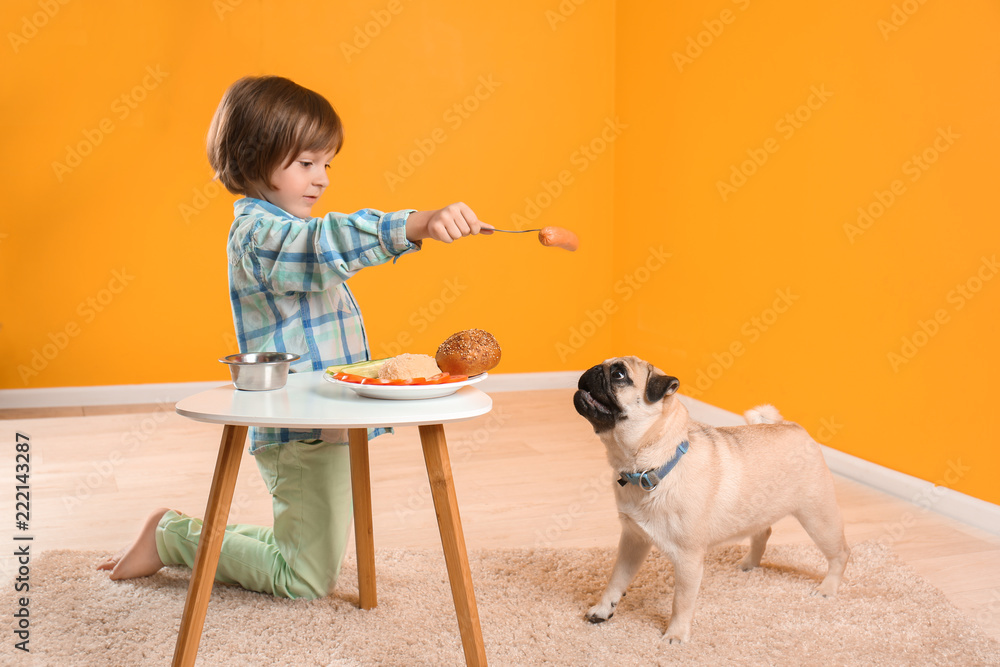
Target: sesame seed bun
(468, 352)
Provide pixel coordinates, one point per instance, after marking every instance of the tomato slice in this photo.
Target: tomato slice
(440, 378)
(348, 377)
(445, 378)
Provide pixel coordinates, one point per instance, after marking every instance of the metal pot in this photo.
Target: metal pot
(259, 371)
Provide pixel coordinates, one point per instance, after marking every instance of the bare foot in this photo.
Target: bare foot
(139, 559)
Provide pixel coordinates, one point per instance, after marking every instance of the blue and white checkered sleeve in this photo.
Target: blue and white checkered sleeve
(318, 254)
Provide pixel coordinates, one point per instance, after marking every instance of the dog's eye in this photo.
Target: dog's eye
(617, 375)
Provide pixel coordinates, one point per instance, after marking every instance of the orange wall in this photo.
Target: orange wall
(487, 104)
(879, 335)
(113, 261)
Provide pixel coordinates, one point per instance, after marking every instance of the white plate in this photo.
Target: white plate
(404, 392)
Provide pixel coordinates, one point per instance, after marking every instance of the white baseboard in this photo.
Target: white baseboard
(530, 381)
(923, 495)
(123, 394)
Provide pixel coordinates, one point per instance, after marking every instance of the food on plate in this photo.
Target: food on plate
(468, 352)
(408, 366)
(368, 369)
(440, 378)
(558, 237)
(465, 353)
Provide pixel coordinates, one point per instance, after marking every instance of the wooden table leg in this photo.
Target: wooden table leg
(453, 541)
(364, 538)
(206, 559)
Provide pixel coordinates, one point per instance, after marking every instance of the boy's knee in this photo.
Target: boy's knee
(297, 590)
(307, 585)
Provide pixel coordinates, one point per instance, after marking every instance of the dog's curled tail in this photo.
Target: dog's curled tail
(763, 414)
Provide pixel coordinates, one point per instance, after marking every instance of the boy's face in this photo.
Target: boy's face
(297, 187)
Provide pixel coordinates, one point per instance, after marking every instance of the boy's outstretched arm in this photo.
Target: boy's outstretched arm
(445, 224)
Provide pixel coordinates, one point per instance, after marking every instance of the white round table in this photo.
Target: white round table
(308, 401)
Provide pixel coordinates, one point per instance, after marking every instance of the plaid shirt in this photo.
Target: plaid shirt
(287, 284)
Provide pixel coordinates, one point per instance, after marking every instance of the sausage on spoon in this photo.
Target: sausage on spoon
(558, 237)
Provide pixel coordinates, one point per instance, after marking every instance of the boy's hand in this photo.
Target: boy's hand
(446, 224)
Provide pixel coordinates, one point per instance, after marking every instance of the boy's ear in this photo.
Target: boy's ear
(659, 387)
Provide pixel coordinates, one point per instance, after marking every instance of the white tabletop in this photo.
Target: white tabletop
(307, 400)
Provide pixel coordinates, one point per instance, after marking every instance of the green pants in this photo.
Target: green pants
(300, 557)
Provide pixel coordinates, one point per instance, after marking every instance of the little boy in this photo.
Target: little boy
(272, 141)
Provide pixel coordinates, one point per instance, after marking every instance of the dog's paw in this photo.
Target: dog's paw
(600, 613)
(748, 562)
(676, 638)
(677, 633)
(825, 593)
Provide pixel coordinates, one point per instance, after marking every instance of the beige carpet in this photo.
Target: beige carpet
(531, 604)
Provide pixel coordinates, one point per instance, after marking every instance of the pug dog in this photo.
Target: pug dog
(686, 487)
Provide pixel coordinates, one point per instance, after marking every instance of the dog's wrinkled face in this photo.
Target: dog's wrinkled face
(619, 388)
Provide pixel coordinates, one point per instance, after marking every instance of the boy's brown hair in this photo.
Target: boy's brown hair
(263, 123)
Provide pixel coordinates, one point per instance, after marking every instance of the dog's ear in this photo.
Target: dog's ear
(659, 387)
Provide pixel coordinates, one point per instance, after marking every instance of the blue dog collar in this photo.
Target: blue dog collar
(647, 480)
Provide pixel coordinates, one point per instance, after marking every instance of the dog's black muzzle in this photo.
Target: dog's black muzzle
(595, 399)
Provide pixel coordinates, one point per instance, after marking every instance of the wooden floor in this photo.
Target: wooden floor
(530, 473)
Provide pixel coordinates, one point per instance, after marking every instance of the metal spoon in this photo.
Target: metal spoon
(508, 231)
(551, 237)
